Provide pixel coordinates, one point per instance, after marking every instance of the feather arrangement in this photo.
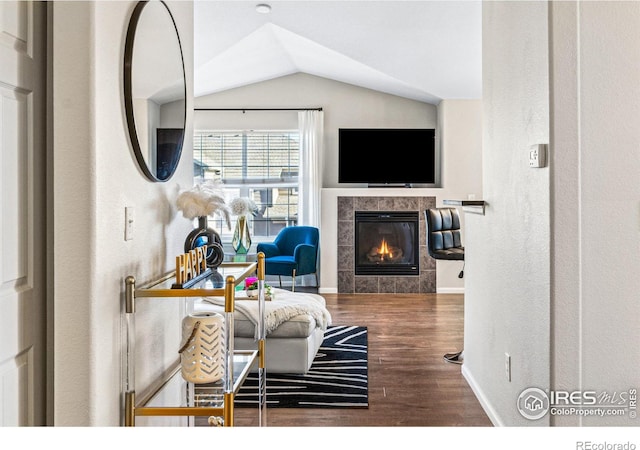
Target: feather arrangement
(243, 206)
(204, 199)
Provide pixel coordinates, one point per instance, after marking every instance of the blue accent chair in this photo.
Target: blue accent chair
(293, 252)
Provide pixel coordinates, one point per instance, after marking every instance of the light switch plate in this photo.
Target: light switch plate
(128, 223)
(538, 155)
(507, 366)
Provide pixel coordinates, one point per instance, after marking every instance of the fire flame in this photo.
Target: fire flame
(384, 250)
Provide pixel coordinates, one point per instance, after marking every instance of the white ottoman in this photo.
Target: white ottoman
(292, 343)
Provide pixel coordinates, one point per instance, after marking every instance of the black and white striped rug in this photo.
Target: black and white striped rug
(337, 378)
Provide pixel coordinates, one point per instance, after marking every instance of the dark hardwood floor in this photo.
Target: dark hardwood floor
(409, 383)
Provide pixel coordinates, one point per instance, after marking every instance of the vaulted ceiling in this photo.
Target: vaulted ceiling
(422, 50)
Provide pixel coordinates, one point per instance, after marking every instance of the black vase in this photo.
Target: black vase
(205, 235)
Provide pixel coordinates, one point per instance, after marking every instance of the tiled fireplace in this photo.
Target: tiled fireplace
(422, 280)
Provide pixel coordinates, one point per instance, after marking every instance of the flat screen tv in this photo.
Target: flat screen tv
(387, 156)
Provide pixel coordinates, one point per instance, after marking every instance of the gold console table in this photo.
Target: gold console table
(213, 399)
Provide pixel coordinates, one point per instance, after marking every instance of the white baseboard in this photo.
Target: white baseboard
(484, 402)
(445, 290)
(327, 290)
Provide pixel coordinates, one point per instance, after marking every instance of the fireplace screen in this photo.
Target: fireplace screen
(386, 243)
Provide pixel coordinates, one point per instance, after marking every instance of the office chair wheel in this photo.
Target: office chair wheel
(454, 358)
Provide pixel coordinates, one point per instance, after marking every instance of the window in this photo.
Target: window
(261, 165)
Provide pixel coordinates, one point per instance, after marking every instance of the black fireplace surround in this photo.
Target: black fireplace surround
(387, 243)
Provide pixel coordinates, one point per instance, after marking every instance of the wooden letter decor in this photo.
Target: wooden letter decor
(191, 266)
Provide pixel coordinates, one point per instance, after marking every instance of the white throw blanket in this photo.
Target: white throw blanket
(283, 307)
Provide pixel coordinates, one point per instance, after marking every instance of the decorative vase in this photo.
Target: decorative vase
(202, 354)
(241, 241)
(205, 235)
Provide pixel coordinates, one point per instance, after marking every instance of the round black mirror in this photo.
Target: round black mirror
(155, 90)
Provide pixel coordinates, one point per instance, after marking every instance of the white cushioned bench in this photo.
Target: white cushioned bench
(293, 334)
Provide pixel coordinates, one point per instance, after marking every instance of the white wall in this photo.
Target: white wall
(344, 105)
(95, 177)
(507, 299)
(460, 123)
(596, 207)
(552, 267)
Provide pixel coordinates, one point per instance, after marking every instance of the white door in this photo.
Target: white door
(22, 213)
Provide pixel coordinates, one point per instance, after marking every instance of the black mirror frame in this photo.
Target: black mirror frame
(128, 93)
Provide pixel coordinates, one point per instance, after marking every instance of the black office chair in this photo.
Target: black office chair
(444, 242)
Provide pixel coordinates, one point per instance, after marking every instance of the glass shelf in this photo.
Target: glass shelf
(208, 395)
(214, 284)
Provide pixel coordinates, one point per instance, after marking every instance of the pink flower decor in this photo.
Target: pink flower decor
(249, 281)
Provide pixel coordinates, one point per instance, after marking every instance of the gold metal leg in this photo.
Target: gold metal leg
(129, 409)
(228, 409)
(261, 354)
